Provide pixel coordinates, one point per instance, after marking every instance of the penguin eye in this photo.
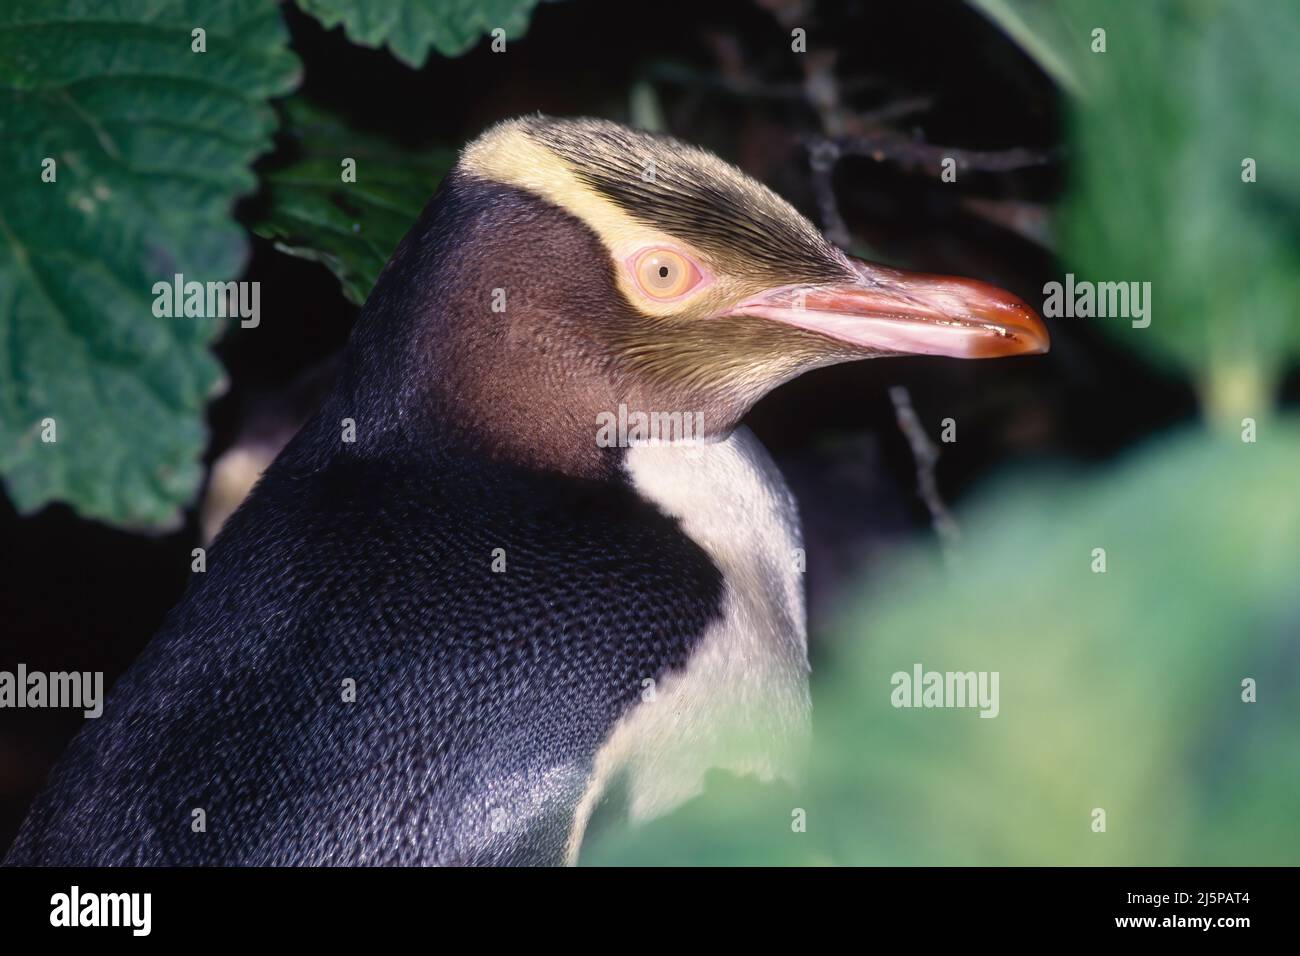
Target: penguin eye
(664, 274)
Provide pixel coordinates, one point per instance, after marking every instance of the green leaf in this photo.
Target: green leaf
(1184, 93)
(1048, 37)
(411, 27)
(1187, 92)
(351, 227)
(152, 144)
(1119, 690)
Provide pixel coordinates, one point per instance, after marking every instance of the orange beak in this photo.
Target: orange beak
(890, 311)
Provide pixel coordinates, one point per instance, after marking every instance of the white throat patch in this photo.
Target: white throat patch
(751, 667)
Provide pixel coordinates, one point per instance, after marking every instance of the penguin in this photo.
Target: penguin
(525, 557)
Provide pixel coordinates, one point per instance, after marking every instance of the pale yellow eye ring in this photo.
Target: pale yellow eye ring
(664, 274)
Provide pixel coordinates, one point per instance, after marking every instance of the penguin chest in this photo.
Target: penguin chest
(741, 702)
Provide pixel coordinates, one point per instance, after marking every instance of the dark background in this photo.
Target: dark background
(78, 595)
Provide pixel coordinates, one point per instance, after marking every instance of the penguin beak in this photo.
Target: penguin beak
(891, 311)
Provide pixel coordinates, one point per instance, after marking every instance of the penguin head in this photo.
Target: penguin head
(570, 267)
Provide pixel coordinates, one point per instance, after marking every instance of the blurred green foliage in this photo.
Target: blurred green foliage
(1119, 690)
(351, 227)
(410, 27)
(151, 143)
(1185, 92)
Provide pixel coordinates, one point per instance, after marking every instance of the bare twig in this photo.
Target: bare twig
(926, 454)
(822, 157)
(893, 110)
(822, 90)
(742, 87)
(913, 153)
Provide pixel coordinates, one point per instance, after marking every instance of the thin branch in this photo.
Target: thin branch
(894, 110)
(823, 153)
(912, 153)
(822, 157)
(745, 87)
(926, 454)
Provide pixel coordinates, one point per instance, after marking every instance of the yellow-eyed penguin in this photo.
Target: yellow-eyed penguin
(525, 550)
